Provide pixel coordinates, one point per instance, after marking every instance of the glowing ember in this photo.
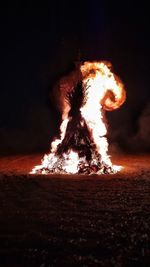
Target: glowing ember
(83, 96)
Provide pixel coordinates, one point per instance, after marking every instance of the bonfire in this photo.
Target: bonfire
(82, 98)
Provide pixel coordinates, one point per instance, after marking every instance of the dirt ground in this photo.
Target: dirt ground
(74, 220)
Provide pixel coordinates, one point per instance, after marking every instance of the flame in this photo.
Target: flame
(102, 90)
(63, 127)
(110, 89)
(97, 82)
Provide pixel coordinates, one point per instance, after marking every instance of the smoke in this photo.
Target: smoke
(63, 88)
(141, 140)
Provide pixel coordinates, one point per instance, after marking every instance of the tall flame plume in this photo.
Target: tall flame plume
(83, 97)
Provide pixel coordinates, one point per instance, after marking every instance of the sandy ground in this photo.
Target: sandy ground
(74, 220)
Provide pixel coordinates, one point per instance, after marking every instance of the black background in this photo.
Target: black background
(39, 44)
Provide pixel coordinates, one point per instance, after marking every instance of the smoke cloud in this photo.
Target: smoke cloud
(141, 140)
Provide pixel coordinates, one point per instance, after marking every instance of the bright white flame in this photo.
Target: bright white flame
(96, 84)
(71, 162)
(55, 143)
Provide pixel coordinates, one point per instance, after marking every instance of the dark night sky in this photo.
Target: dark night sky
(39, 44)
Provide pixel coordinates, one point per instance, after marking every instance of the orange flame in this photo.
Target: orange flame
(112, 90)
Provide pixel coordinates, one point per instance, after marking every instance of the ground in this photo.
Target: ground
(74, 220)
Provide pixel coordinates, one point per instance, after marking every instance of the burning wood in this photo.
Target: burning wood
(82, 98)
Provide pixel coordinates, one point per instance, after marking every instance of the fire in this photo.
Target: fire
(83, 146)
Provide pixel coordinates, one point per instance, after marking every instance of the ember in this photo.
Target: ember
(82, 98)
